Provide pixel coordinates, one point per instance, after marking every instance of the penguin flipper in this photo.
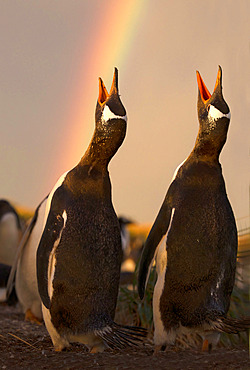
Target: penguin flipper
(158, 230)
(20, 249)
(48, 243)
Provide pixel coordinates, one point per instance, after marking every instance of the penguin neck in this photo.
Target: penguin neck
(90, 176)
(93, 159)
(98, 154)
(208, 148)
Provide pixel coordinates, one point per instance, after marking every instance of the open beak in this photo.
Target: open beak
(204, 92)
(103, 93)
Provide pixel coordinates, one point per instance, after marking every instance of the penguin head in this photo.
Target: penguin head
(111, 119)
(213, 112)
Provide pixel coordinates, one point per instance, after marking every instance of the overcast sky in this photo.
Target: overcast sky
(51, 55)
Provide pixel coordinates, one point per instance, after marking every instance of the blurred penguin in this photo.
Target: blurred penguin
(23, 273)
(125, 236)
(10, 232)
(4, 275)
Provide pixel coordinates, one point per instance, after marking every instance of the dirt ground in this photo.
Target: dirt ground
(28, 346)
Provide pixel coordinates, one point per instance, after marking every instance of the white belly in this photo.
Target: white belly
(26, 279)
(161, 265)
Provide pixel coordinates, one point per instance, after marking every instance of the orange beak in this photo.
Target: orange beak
(204, 92)
(103, 93)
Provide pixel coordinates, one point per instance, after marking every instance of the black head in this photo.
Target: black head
(111, 120)
(213, 113)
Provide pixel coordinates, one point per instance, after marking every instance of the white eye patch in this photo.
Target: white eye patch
(214, 114)
(107, 114)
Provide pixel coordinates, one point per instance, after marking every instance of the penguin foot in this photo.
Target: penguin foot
(29, 316)
(61, 345)
(61, 348)
(158, 348)
(98, 348)
(165, 347)
(206, 346)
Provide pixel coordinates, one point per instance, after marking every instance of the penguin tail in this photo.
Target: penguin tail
(119, 336)
(230, 325)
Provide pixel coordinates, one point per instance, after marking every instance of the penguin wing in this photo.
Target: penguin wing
(20, 249)
(158, 230)
(48, 243)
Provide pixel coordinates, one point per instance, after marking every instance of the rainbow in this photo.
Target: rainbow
(109, 44)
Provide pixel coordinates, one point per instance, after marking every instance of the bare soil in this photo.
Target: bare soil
(24, 345)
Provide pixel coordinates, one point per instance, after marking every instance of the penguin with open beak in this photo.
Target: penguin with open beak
(79, 254)
(196, 263)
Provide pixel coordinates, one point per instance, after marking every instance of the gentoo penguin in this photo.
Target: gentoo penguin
(10, 232)
(23, 275)
(128, 265)
(130, 255)
(125, 237)
(196, 264)
(4, 275)
(79, 254)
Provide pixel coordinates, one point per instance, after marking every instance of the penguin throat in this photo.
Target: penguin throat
(205, 94)
(107, 115)
(208, 149)
(102, 97)
(99, 153)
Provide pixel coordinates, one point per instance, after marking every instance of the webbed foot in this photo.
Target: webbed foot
(29, 316)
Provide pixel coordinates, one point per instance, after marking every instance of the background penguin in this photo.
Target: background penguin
(196, 265)
(23, 277)
(10, 232)
(128, 265)
(130, 255)
(125, 237)
(79, 255)
(4, 275)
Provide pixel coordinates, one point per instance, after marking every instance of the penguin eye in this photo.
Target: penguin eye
(208, 107)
